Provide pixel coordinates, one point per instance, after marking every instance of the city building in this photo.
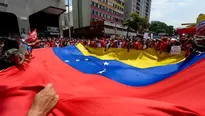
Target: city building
(141, 7)
(19, 16)
(107, 14)
(68, 23)
(86, 11)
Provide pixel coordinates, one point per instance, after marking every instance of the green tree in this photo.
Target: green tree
(170, 30)
(137, 23)
(143, 25)
(161, 27)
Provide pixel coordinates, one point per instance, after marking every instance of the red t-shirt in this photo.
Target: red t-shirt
(115, 44)
(103, 43)
(135, 45)
(52, 44)
(164, 45)
(94, 44)
(61, 43)
(72, 42)
(46, 44)
(125, 44)
(140, 46)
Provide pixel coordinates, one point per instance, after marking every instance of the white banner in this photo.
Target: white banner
(152, 36)
(53, 29)
(146, 35)
(175, 50)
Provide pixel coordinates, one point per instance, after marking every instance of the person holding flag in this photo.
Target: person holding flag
(11, 54)
(32, 41)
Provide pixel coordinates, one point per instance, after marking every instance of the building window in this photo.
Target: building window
(95, 4)
(92, 20)
(108, 16)
(105, 16)
(92, 11)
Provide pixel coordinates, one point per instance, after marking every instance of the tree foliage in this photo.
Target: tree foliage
(161, 27)
(137, 23)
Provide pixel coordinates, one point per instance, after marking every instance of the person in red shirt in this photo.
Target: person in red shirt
(135, 44)
(46, 44)
(187, 46)
(115, 43)
(163, 45)
(72, 42)
(125, 44)
(61, 42)
(33, 42)
(52, 44)
(156, 44)
(140, 46)
(103, 43)
(94, 44)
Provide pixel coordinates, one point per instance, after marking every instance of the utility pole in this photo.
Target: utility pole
(69, 27)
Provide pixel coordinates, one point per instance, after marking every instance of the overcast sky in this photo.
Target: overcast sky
(175, 12)
(70, 7)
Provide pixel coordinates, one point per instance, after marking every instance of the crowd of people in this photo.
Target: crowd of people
(164, 44)
(16, 51)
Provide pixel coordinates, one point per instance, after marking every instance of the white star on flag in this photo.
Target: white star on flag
(86, 59)
(77, 60)
(67, 61)
(100, 72)
(106, 63)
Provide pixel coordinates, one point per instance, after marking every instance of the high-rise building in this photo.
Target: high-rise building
(99, 18)
(86, 11)
(142, 7)
(19, 16)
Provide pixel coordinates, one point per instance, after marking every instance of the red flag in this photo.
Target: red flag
(33, 34)
(32, 37)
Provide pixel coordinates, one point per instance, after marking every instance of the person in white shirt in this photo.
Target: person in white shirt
(57, 44)
(98, 44)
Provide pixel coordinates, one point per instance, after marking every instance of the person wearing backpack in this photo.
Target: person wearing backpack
(11, 55)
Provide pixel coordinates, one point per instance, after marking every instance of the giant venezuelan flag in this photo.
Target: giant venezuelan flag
(91, 82)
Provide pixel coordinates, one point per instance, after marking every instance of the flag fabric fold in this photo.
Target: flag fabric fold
(122, 71)
(92, 89)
